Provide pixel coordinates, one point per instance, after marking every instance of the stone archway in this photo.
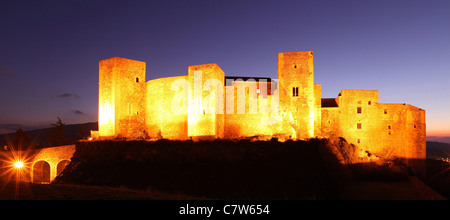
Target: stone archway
(41, 172)
(61, 165)
(56, 157)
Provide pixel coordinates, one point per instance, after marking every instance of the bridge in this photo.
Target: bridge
(39, 165)
(50, 162)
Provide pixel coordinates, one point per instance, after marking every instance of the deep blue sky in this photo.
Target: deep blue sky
(49, 50)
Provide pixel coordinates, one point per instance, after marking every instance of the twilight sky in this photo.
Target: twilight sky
(49, 50)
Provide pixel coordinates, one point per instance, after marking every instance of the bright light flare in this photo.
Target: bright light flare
(18, 164)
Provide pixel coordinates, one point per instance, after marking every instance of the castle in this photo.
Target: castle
(206, 104)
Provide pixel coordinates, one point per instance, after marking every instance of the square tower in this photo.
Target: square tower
(297, 94)
(121, 97)
(206, 101)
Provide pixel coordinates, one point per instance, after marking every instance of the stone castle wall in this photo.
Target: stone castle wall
(210, 108)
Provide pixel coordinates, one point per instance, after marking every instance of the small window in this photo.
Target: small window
(359, 141)
(385, 112)
(295, 66)
(389, 127)
(137, 79)
(359, 126)
(359, 102)
(389, 132)
(359, 110)
(415, 126)
(295, 91)
(370, 102)
(258, 91)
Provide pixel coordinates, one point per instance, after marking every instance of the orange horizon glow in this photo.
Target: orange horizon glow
(438, 133)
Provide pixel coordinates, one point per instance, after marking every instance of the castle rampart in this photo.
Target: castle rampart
(205, 104)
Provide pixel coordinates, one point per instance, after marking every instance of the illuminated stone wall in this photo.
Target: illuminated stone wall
(106, 99)
(331, 126)
(317, 110)
(402, 133)
(201, 105)
(357, 127)
(161, 120)
(121, 97)
(206, 101)
(385, 130)
(248, 113)
(55, 158)
(296, 91)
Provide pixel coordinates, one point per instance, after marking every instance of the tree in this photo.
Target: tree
(82, 134)
(57, 134)
(21, 140)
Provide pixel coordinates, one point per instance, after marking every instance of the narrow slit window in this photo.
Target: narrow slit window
(295, 91)
(137, 79)
(359, 110)
(359, 141)
(385, 112)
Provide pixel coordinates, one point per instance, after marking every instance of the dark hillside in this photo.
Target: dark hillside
(217, 169)
(40, 137)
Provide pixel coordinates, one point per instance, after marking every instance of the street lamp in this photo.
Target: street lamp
(18, 164)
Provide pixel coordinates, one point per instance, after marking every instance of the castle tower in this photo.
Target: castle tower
(206, 101)
(297, 94)
(121, 97)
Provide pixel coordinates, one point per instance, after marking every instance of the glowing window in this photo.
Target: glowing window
(258, 91)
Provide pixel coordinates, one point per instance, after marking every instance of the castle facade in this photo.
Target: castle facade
(206, 104)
